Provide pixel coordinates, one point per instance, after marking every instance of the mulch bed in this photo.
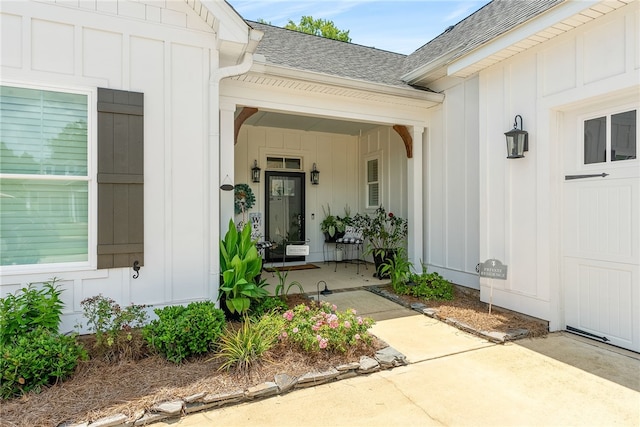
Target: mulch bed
(467, 308)
(100, 388)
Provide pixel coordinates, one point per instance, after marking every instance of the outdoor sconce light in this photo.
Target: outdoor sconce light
(255, 172)
(315, 175)
(517, 140)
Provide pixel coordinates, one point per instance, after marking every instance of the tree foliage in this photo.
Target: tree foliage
(319, 27)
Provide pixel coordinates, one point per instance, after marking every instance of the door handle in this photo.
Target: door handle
(593, 175)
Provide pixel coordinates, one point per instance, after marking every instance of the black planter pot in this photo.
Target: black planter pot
(329, 239)
(231, 317)
(380, 258)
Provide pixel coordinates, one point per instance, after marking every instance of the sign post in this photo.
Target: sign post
(492, 269)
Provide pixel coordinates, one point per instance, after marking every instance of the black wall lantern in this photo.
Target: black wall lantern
(255, 172)
(517, 140)
(315, 175)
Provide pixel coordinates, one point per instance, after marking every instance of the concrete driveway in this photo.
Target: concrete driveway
(457, 379)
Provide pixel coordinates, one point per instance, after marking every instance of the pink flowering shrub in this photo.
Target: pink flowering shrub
(323, 327)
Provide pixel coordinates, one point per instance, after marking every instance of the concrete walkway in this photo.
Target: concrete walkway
(454, 378)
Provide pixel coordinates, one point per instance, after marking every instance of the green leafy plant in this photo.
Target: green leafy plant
(272, 304)
(382, 230)
(429, 286)
(180, 332)
(32, 352)
(333, 226)
(282, 288)
(115, 327)
(240, 265)
(37, 358)
(29, 309)
(398, 269)
(322, 327)
(244, 348)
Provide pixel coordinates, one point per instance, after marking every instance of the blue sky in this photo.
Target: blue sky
(397, 26)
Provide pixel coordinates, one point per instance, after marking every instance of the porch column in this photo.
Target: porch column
(227, 159)
(415, 199)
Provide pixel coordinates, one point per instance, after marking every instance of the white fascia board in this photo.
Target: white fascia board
(426, 69)
(530, 28)
(348, 83)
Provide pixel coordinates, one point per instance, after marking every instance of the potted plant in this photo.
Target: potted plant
(332, 226)
(240, 267)
(385, 233)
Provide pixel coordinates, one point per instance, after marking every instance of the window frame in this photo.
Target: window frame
(607, 114)
(372, 157)
(90, 178)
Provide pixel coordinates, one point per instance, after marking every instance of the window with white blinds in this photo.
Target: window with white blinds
(373, 183)
(44, 200)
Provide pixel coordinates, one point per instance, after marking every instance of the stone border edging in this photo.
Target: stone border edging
(492, 336)
(386, 358)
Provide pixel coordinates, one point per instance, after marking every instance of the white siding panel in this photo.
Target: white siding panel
(435, 190)
(455, 180)
(102, 55)
(131, 9)
(52, 47)
(11, 40)
(472, 182)
(604, 51)
(147, 54)
(559, 67)
(521, 187)
(187, 157)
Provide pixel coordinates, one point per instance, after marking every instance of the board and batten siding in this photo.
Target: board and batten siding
(166, 52)
(520, 208)
(452, 191)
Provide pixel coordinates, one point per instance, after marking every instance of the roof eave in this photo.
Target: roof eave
(349, 83)
(458, 63)
(540, 23)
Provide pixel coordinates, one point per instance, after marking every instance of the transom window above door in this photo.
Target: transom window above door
(611, 138)
(292, 163)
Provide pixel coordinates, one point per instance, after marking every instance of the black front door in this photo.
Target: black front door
(284, 213)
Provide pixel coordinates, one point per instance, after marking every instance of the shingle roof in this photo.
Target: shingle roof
(490, 21)
(313, 53)
(318, 54)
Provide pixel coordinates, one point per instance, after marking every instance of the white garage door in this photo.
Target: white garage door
(601, 227)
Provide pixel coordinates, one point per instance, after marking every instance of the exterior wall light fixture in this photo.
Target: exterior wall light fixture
(517, 140)
(255, 172)
(315, 175)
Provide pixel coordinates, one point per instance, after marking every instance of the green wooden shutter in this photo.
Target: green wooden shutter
(120, 178)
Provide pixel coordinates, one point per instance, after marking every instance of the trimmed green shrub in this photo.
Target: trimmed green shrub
(30, 309)
(180, 332)
(37, 358)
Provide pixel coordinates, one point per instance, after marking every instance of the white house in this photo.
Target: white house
(200, 97)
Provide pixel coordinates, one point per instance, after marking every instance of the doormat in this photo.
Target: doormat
(291, 268)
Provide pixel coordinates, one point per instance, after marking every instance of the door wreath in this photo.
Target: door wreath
(244, 198)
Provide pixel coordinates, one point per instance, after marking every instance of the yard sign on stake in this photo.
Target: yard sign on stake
(492, 269)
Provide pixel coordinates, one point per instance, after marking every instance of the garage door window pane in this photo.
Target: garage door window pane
(623, 136)
(595, 140)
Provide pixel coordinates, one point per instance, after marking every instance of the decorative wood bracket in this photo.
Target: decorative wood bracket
(242, 117)
(406, 138)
